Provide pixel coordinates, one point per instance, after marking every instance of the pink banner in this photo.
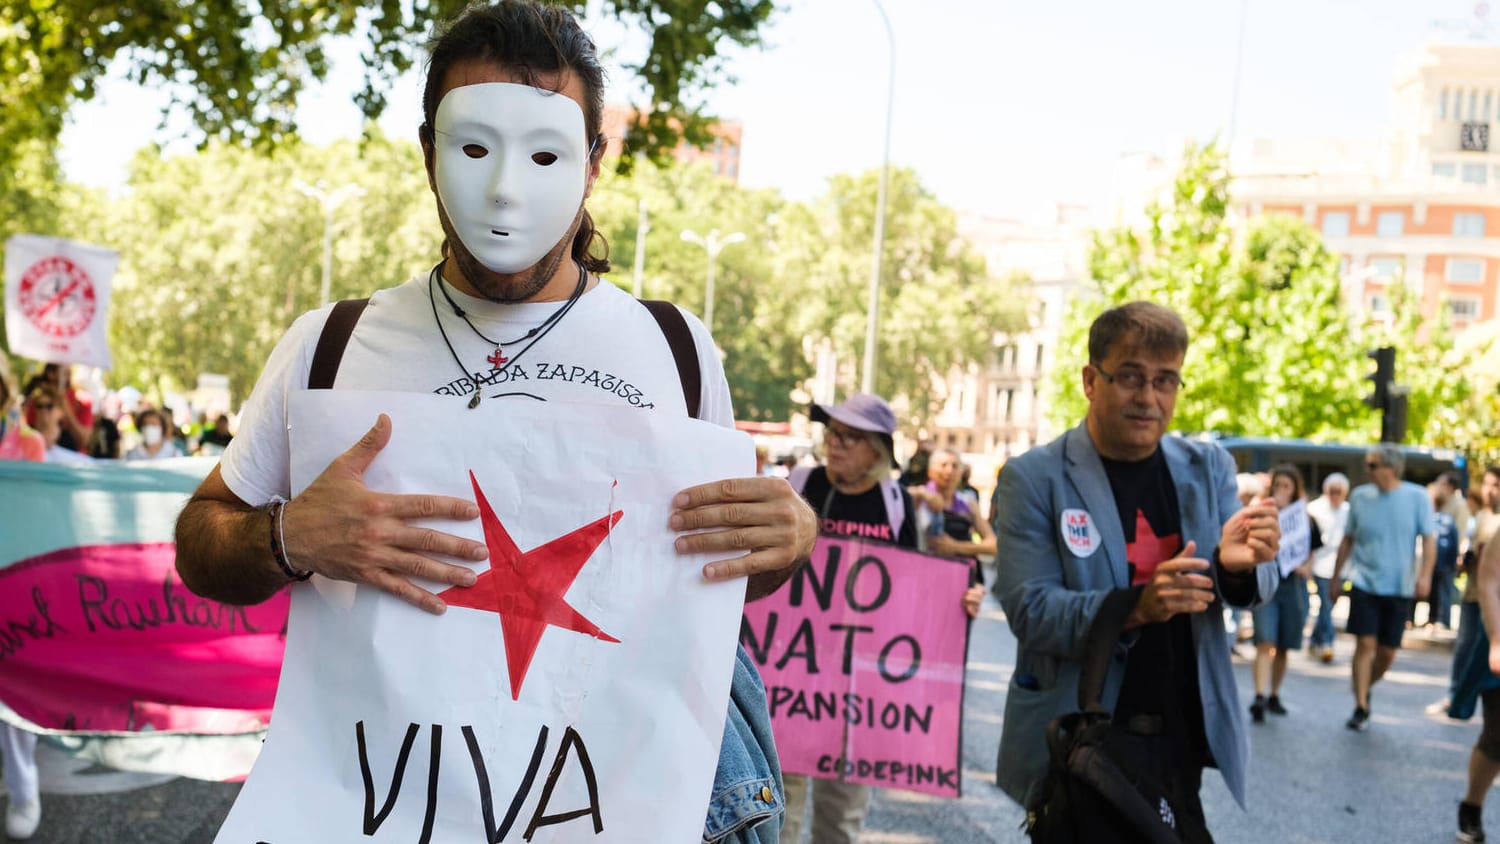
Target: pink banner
(106, 639)
(863, 658)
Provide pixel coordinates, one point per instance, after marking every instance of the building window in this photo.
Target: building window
(1390, 224)
(1484, 113)
(1443, 105)
(1465, 309)
(1468, 224)
(1473, 104)
(1474, 174)
(1336, 224)
(1380, 305)
(1444, 170)
(1465, 270)
(1386, 269)
(1010, 404)
(1041, 356)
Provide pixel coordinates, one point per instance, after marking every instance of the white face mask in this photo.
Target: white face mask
(510, 164)
(151, 434)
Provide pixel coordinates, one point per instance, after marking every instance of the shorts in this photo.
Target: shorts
(1280, 620)
(1381, 616)
(1489, 735)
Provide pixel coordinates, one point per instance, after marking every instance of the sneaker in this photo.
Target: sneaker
(1258, 709)
(22, 819)
(1437, 707)
(1327, 655)
(1360, 720)
(1273, 705)
(1470, 824)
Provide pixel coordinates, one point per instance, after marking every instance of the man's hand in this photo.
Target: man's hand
(1176, 587)
(1250, 537)
(973, 597)
(339, 529)
(1495, 657)
(763, 516)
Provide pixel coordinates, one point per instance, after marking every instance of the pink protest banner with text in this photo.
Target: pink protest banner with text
(863, 659)
(97, 633)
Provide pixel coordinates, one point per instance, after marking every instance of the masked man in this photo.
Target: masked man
(515, 312)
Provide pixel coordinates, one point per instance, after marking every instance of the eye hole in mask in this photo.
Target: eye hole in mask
(475, 151)
(545, 159)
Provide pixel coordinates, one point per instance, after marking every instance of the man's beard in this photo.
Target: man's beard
(507, 287)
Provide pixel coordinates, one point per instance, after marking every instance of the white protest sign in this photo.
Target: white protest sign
(576, 693)
(57, 299)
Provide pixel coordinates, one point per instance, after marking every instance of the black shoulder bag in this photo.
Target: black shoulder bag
(1095, 791)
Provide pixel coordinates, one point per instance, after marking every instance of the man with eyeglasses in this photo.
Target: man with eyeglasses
(1386, 518)
(1113, 506)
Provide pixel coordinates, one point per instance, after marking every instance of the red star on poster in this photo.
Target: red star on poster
(1148, 549)
(526, 589)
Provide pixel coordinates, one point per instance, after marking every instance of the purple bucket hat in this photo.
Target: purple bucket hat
(864, 412)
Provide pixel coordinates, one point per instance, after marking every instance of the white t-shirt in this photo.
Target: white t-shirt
(607, 350)
(1331, 525)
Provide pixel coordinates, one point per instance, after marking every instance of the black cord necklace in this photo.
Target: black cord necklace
(498, 344)
(498, 360)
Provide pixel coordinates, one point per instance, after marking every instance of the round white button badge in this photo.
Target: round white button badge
(1079, 532)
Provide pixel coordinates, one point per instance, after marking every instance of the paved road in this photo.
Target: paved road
(1312, 780)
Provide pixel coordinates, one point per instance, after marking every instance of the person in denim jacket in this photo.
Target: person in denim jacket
(222, 548)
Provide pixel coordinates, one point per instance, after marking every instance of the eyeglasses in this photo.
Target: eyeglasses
(1167, 383)
(846, 437)
(43, 405)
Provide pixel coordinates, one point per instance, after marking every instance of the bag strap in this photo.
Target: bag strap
(1099, 648)
(684, 350)
(330, 349)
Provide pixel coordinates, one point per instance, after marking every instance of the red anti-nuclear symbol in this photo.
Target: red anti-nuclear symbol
(57, 297)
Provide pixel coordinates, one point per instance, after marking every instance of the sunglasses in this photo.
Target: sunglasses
(1372, 465)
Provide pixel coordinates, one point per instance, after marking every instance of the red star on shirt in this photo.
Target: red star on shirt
(1148, 549)
(526, 589)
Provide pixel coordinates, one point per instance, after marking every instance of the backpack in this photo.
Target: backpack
(1095, 789)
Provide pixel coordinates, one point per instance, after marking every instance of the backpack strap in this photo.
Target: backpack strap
(684, 350)
(330, 349)
(1099, 647)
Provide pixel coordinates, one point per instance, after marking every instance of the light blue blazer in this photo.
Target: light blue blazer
(1054, 567)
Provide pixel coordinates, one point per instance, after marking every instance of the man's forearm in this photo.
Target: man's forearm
(767, 582)
(224, 552)
(1429, 559)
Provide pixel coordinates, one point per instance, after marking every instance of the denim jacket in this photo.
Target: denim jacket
(746, 807)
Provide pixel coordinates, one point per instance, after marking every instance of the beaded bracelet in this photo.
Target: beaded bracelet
(278, 543)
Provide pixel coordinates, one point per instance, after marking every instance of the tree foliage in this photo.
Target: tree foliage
(237, 66)
(1273, 350)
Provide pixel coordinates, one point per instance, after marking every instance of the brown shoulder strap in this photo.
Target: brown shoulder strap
(684, 351)
(331, 343)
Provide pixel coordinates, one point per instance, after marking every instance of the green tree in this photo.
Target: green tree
(237, 66)
(939, 308)
(1273, 352)
(219, 252)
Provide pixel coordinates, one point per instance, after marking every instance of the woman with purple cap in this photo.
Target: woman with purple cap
(854, 495)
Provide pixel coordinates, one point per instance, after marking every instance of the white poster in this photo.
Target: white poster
(576, 693)
(57, 299)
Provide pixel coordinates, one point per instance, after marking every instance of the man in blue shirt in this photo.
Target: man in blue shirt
(1386, 518)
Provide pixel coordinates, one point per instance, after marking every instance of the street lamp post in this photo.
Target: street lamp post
(712, 244)
(872, 312)
(330, 201)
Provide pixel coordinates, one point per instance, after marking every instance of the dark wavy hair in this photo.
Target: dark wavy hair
(530, 40)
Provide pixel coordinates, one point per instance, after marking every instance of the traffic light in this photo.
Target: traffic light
(1383, 377)
(1393, 422)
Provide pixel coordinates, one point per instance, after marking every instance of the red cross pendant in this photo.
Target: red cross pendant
(498, 359)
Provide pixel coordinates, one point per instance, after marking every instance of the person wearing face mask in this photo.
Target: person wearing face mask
(155, 444)
(513, 311)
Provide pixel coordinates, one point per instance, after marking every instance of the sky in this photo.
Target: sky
(1003, 107)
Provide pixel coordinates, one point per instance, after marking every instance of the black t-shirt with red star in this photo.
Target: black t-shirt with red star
(1161, 672)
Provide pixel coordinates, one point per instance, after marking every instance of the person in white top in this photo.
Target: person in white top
(155, 444)
(1330, 511)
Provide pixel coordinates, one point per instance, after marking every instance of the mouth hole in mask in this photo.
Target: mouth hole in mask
(475, 151)
(545, 159)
